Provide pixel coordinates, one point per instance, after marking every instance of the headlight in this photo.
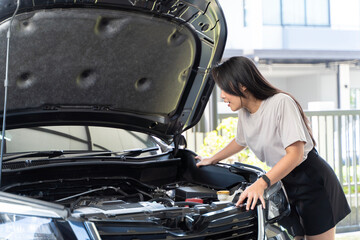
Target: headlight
(277, 205)
(22, 227)
(23, 218)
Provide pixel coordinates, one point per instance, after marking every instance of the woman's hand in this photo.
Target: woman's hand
(229, 150)
(253, 194)
(294, 156)
(203, 161)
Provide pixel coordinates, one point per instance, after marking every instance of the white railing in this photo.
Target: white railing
(337, 134)
(338, 140)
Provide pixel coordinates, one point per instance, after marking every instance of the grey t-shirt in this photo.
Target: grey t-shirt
(273, 127)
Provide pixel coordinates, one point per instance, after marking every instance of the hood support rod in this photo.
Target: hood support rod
(6, 83)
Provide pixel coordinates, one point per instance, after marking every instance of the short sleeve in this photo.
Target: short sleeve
(291, 125)
(240, 138)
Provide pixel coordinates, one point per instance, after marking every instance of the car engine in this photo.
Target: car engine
(120, 206)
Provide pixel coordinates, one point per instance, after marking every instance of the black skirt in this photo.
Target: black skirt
(316, 197)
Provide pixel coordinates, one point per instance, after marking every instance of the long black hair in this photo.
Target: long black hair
(236, 72)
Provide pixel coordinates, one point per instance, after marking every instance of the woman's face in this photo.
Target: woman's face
(234, 102)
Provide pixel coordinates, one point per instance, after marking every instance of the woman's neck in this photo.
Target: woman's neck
(252, 104)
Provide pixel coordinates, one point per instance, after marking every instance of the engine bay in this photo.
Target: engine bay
(133, 199)
(180, 205)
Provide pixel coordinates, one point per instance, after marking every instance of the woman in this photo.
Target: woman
(273, 125)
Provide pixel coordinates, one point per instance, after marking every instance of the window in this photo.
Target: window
(75, 138)
(271, 12)
(246, 12)
(296, 12)
(317, 13)
(293, 12)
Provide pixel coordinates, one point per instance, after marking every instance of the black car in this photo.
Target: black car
(97, 97)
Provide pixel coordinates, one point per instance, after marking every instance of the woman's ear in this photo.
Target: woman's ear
(242, 87)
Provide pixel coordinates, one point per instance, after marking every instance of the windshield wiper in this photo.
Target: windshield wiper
(49, 154)
(125, 153)
(137, 151)
(58, 153)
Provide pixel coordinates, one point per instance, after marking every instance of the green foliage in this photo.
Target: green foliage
(219, 138)
(349, 179)
(352, 189)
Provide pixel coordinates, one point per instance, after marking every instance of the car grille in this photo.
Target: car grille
(238, 228)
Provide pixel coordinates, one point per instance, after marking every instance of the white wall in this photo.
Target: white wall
(328, 85)
(235, 40)
(354, 78)
(318, 87)
(312, 38)
(345, 14)
(280, 83)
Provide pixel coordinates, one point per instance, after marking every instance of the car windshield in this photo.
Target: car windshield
(75, 138)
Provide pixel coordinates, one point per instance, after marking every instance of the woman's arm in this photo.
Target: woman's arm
(224, 153)
(294, 156)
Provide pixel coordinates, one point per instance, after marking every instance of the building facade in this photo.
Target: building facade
(308, 48)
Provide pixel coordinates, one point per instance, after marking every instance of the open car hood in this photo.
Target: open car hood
(141, 65)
